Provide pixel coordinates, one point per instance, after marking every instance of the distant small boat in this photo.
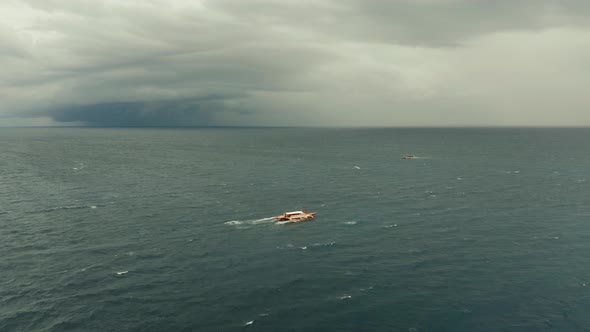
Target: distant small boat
(295, 216)
(409, 156)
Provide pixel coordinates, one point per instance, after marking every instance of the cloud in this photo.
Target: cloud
(174, 113)
(324, 62)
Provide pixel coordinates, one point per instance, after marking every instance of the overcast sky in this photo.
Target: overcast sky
(299, 62)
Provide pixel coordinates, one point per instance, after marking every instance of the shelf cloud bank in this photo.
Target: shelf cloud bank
(321, 62)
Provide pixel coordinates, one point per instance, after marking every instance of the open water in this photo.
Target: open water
(169, 230)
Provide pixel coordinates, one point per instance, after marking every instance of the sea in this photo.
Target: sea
(487, 229)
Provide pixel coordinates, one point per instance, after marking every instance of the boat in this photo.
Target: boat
(295, 216)
(409, 156)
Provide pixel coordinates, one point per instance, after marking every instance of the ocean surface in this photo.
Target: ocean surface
(170, 229)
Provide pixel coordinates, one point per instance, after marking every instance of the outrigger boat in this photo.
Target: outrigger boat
(408, 156)
(295, 216)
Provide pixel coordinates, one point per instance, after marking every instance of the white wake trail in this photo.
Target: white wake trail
(251, 221)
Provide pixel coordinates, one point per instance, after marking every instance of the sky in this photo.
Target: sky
(295, 63)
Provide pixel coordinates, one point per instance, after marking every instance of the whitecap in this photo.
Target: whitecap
(233, 222)
(357, 167)
(345, 297)
(93, 206)
(249, 323)
(303, 248)
(318, 244)
(122, 273)
(350, 223)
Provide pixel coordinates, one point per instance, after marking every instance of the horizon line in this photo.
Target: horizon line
(318, 127)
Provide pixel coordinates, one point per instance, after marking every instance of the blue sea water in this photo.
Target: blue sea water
(170, 230)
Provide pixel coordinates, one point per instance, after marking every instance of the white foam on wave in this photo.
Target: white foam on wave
(288, 246)
(309, 246)
(345, 297)
(249, 323)
(122, 273)
(233, 222)
(350, 223)
(318, 244)
(510, 172)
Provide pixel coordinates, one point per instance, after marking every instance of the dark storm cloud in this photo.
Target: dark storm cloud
(174, 113)
(269, 62)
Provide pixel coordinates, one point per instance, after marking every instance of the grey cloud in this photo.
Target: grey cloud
(324, 62)
(412, 22)
(11, 46)
(176, 113)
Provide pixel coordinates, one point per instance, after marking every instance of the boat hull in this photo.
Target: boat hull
(295, 218)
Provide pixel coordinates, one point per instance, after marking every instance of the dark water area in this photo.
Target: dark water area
(170, 230)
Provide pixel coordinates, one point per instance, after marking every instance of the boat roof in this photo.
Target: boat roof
(294, 212)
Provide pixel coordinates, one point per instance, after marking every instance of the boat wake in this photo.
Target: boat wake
(283, 222)
(250, 221)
